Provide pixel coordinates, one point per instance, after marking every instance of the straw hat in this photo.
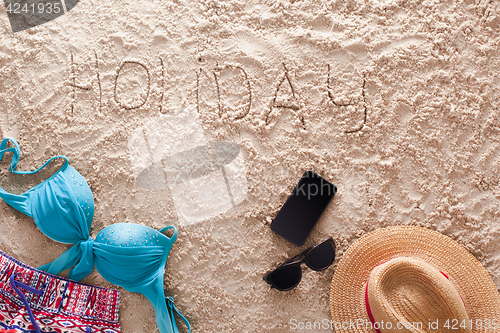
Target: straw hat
(404, 275)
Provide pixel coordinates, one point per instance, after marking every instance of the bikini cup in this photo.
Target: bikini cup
(134, 257)
(62, 205)
(129, 255)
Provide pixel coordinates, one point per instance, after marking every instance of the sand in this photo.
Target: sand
(395, 102)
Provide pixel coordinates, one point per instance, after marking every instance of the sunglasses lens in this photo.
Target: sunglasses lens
(321, 257)
(287, 277)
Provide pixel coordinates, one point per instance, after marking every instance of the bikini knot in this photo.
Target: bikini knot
(80, 255)
(85, 265)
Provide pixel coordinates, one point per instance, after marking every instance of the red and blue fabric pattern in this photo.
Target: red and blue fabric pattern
(56, 304)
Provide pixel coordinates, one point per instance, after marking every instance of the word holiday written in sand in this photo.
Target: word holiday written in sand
(284, 82)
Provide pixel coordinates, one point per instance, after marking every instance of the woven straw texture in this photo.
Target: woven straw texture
(347, 293)
(408, 290)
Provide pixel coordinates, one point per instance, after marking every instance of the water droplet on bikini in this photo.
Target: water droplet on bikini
(134, 243)
(112, 231)
(81, 184)
(121, 228)
(74, 182)
(147, 231)
(130, 237)
(117, 237)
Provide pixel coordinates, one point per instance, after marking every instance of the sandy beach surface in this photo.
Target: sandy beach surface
(395, 102)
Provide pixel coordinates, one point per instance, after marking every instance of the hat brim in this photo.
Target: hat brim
(347, 292)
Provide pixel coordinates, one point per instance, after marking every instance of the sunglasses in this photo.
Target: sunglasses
(318, 257)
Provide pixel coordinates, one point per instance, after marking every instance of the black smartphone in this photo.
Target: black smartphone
(303, 208)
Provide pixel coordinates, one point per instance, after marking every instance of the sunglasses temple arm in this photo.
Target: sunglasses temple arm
(306, 251)
(298, 256)
(301, 255)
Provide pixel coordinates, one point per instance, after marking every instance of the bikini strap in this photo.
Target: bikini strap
(165, 310)
(172, 308)
(20, 202)
(174, 236)
(17, 154)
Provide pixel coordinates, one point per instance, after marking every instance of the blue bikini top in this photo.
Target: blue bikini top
(129, 255)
